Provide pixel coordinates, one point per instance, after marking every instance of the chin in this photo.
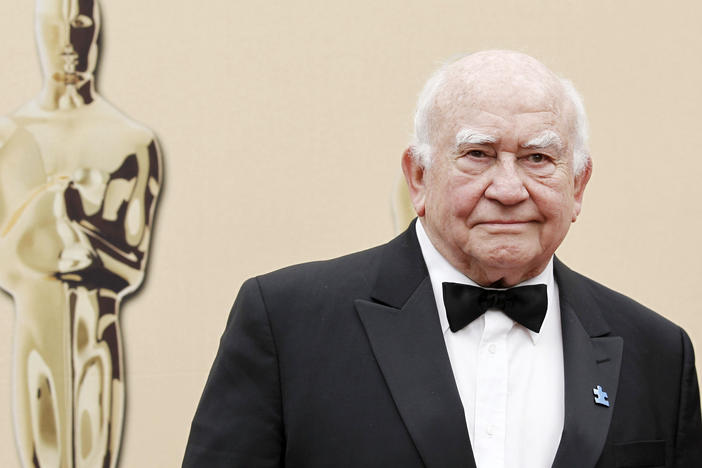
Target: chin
(509, 258)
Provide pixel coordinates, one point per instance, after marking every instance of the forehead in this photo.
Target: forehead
(508, 93)
(502, 120)
(65, 8)
(85, 7)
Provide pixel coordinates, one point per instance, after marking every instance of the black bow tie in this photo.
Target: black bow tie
(523, 304)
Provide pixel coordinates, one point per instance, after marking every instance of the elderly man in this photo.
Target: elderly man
(463, 342)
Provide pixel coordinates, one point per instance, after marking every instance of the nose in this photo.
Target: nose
(506, 185)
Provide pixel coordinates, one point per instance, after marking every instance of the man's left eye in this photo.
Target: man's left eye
(537, 158)
(81, 21)
(476, 153)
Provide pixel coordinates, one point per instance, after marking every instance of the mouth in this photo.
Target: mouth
(504, 225)
(504, 222)
(74, 78)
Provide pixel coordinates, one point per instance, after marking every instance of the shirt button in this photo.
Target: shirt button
(490, 430)
(492, 349)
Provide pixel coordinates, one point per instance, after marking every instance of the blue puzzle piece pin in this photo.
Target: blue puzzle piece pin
(600, 396)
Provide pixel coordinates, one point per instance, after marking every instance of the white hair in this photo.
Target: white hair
(468, 135)
(544, 139)
(581, 151)
(425, 126)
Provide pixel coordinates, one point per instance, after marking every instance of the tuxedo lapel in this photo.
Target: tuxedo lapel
(405, 335)
(592, 358)
(403, 328)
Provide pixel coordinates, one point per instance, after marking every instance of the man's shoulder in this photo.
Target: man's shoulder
(399, 261)
(351, 272)
(624, 315)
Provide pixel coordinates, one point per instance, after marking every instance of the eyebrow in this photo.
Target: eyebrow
(473, 137)
(543, 140)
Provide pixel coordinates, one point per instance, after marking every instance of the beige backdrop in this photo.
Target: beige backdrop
(282, 125)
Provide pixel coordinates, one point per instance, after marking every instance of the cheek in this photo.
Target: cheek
(452, 195)
(554, 197)
(451, 203)
(557, 210)
(463, 200)
(51, 40)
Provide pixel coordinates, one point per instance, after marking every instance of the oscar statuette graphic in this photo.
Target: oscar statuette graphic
(78, 188)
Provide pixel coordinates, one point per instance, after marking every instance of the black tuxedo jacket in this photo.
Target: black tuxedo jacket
(342, 363)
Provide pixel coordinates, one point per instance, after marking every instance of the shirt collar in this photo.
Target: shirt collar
(441, 271)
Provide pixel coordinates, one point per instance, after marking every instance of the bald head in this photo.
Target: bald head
(496, 80)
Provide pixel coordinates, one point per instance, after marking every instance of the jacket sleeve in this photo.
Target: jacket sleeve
(238, 422)
(688, 442)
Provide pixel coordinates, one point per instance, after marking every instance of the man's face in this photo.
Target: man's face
(500, 193)
(67, 23)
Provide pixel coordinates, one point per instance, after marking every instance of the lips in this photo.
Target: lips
(504, 222)
(505, 226)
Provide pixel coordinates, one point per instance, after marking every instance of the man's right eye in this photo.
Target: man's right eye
(476, 154)
(81, 21)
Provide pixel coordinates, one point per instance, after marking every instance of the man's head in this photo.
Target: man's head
(499, 164)
(67, 32)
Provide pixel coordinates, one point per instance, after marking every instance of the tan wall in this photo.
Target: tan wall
(282, 125)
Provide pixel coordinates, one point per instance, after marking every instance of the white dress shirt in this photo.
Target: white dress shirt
(510, 379)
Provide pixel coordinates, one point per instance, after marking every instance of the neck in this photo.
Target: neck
(59, 95)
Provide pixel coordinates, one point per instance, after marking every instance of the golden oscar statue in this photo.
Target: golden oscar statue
(78, 188)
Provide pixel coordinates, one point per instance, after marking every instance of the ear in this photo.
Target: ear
(581, 181)
(414, 176)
